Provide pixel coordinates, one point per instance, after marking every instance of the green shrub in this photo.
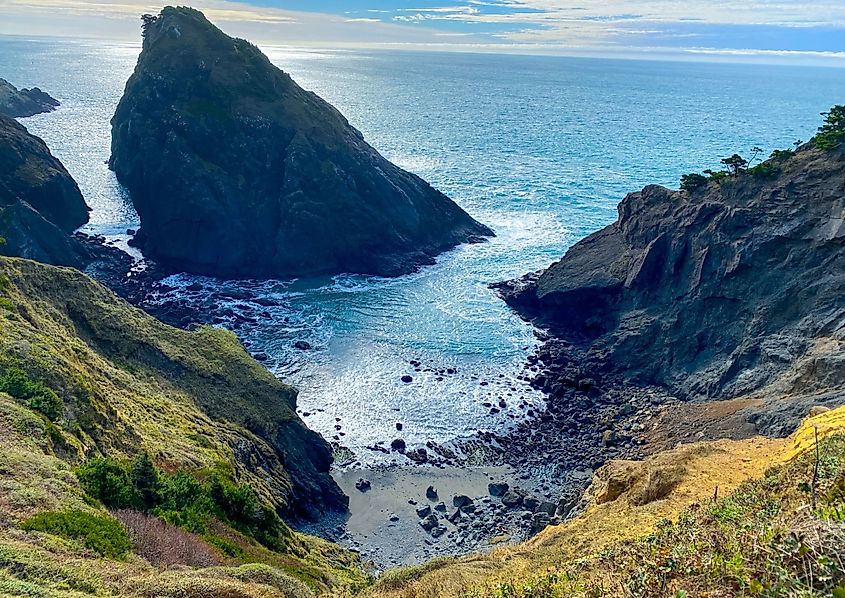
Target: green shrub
(781, 155)
(107, 480)
(100, 533)
(691, 182)
(765, 170)
(31, 393)
(182, 500)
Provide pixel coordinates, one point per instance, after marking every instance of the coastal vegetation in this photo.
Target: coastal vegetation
(830, 136)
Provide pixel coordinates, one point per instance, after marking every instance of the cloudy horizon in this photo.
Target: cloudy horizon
(767, 30)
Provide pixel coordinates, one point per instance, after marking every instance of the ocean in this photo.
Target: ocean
(541, 149)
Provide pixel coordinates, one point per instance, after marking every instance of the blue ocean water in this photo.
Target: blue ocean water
(540, 148)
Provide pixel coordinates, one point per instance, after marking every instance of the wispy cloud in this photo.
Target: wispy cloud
(773, 28)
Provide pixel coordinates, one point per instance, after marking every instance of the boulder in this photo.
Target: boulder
(429, 522)
(497, 488)
(431, 493)
(512, 499)
(363, 485)
(461, 500)
(236, 171)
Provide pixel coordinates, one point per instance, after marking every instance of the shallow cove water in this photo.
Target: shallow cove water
(539, 148)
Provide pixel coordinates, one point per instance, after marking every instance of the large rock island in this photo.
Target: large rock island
(236, 171)
(715, 291)
(40, 204)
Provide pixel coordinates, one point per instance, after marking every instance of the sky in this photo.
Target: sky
(811, 31)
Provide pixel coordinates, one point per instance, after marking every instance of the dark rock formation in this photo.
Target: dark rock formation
(237, 171)
(19, 103)
(713, 293)
(40, 204)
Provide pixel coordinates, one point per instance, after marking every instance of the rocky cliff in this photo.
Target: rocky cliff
(714, 292)
(237, 171)
(18, 103)
(40, 204)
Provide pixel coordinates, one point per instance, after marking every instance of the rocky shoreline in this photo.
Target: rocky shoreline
(545, 461)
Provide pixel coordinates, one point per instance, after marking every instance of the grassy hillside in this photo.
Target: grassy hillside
(87, 381)
(660, 528)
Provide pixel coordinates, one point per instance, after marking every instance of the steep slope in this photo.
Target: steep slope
(237, 171)
(709, 519)
(40, 204)
(18, 103)
(129, 383)
(714, 292)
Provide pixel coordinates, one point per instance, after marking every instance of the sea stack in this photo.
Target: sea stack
(236, 171)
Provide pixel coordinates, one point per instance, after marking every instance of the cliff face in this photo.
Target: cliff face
(714, 292)
(19, 103)
(129, 383)
(237, 171)
(40, 204)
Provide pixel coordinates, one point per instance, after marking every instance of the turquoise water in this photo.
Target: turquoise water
(541, 149)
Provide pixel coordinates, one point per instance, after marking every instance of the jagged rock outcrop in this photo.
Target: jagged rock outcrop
(237, 171)
(40, 204)
(19, 103)
(714, 293)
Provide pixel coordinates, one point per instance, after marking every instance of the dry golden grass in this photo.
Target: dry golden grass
(627, 499)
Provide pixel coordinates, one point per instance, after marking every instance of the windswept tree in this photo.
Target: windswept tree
(146, 21)
(735, 164)
(832, 133)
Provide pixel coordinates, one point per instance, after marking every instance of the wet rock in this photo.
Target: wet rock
(497, 488)
(512, 499)
(419, 455)
(399, 426)
(398, 445)
(407, 379)
(461, 500)
(429, 523)
(302, 345)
